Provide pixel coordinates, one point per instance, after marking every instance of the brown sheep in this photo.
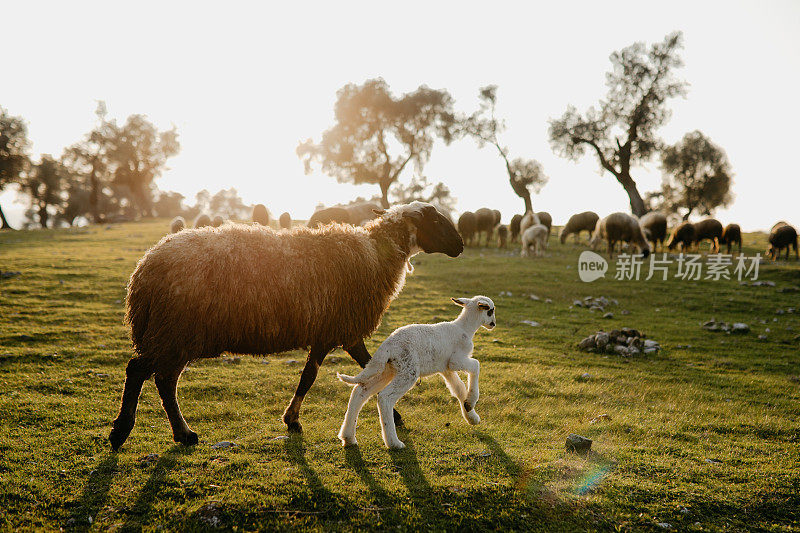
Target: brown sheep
(778, 225)
(218, 221)
(546, 220)
(710, 229)
(253, 290)
(620, 227)
(782, 237)
(467, 224)
(683, 235)
(202, 221)
(732, 234)
(585, 221)
(177, 224)
(285, 220)
(328, 215)
(654, 225)
(261, 214)
(514, 227)
(498, 216)
(484, 220)
(362, 213)
(502, 236)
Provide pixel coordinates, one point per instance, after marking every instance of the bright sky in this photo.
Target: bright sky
(245, 82)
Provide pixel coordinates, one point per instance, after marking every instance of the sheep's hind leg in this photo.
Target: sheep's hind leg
(292, 414)
(167, 385)
(387, 398)
(360, 395)
(361, 356)
(138, 371)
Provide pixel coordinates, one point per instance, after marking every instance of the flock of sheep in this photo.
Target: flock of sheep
(643, 233)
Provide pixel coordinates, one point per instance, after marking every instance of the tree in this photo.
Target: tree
(138, 154)
(169, 204)
(229, 204)
(14, 146)
(622, 132)
(376, 135)
(697, 176)
(524, 175)
(45, 184)
(420, 189)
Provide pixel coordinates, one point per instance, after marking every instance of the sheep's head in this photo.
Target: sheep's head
(434, 232)
(482, 305)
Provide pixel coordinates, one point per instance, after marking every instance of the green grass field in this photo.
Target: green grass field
(704, 435)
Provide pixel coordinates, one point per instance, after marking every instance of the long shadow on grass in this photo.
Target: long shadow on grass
(405, 461)
(321, 497)
(353, 457)
(95, 490)
(137, 515)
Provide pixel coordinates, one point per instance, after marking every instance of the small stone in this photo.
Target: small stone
(548, 301)
(739, 327)
(577, 303)
(713, 461)
(779, 311)
(149, 458)
(649, 343)
(280, 437)
(223, 445)
(601, 339)
(762, 337)
(291, 361)
(608, 315)
(634, 351)
(624, 312)
(664, 525)
(621, 350)
(534, 297)
(585, 376)
(232, 360)
(578, 444)
(531, 323)
(600, 418)
(588, 343)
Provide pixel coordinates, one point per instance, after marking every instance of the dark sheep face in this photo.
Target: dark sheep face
(436, 233)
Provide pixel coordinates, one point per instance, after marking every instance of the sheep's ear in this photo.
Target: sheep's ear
(379, 212)
(460, 301)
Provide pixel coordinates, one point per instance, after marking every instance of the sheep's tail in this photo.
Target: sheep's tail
(374, 368)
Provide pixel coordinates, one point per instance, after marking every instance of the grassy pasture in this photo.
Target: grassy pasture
(704, 435)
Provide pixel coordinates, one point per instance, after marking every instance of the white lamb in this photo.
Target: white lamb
(420, 350)
(534, 239)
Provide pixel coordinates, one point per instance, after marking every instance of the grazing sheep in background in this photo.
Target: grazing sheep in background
(528, 219)
(285, 221)
(415, 351)
(467, 225)
(654, 225)
(502, 236)
(620, 227)
(261, 214)
(585, 221)
(218, 221)
(361, 213)
(202, 221)
(253, 290)
(545, 219)
(782, 237)
(514, 227)
(177, 224)
(484, 220)
(778, 225)
(732, 234)
(534, 240)
(683, 235)
(498, 216)
(710, 229)
(326, 216)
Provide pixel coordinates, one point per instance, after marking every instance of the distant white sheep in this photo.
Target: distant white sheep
(420, 350)
(534, 240)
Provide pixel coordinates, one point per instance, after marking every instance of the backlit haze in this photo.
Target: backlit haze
(245, 82)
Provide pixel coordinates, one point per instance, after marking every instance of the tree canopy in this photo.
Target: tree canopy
(697, 176)
(45, 185)
(376, 135)
(524, 175)
(622, 132)
(14, 147)
(420, 189)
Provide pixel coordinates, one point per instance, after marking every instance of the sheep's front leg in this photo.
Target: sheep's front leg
(457, 389)
(292, 414)
(472, 367)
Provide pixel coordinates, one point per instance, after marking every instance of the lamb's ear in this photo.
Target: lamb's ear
(379, 212)
(460, 301)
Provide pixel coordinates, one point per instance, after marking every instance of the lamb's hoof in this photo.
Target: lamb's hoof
(119, 433)
(397, 446)
(187, 439)
(294, 427)
(473, 419)
(348, 441)
(398, 420)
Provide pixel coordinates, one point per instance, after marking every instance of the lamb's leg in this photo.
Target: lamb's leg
(459, 391)
(292, 414)
(472, 367)
(138, 371)
(360, 395)
(361, 356)
(167, 385)
(387, 398)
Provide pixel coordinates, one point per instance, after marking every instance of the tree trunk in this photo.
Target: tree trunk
(94, 197)
(637, 204)
(521, 191)
(385, 195)
(5, 222)
(43, 215)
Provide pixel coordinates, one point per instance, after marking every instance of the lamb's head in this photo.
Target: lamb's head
(480, 305)
(434, 232)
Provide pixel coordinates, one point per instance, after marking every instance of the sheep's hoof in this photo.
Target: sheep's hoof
(294, 427)
(398, 420)
(348, 441)
(396, 446)
(119, 433)
(187, 439)
(473, 419)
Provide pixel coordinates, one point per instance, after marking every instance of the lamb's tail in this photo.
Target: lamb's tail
(375, 367)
